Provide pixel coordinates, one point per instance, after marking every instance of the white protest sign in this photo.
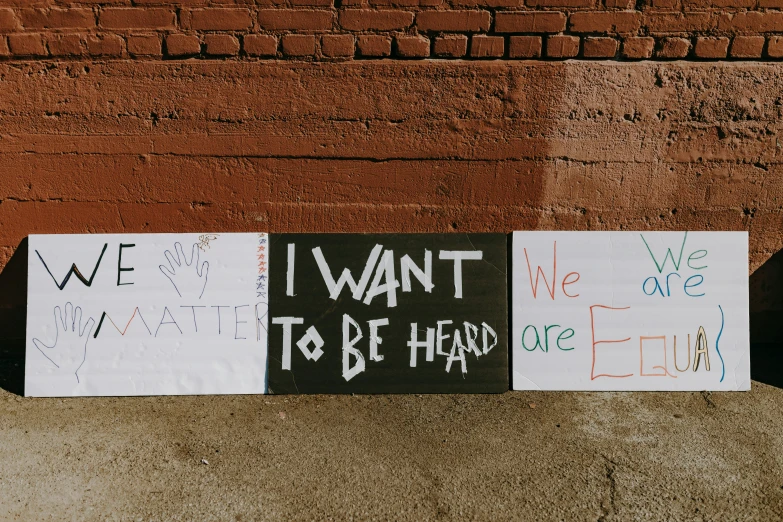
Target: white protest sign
(630, 311)
(146, 314)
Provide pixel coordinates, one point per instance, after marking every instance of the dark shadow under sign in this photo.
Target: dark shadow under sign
(388, 313)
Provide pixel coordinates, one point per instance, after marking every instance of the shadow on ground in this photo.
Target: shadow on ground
(766, 322)
(13, 315)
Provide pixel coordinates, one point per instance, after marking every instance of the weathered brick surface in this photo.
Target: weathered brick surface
(654, 29)
(288, 146)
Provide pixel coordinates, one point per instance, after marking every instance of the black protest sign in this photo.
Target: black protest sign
(388, 313)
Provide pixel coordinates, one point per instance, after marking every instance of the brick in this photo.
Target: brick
(599, 48)
(105, 45)
(8, 21)
(137, 18)
(747, 46)
(55, 18)
(178, 45)
(28, 44)
(678, 22)
(770, 4)
(221, 45)
(373, 45)
(4, 50)
(259, 45)
(337, 45)
(453, 46)
(373, 20)
(620, 4)
(719, 4)
(65, 44)
(453, 21)
(298, 45)
(637, 48)
(562, 46)
(605, 22)
(144, 45)
(295, 19)
(711, 48)
(484, 3)
(665, 4)
(775, 47)
(220, 20)
(412, 46)
(561, 3)
(751, 22)
(530, 22)
(674, 48)
(487, 46)
(524, 46)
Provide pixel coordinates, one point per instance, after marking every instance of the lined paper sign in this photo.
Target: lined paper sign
(146, 314)
(630, 311)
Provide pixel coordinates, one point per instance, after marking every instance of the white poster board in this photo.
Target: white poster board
(146, 314)
(630, 311)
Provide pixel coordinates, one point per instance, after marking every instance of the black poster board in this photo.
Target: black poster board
(384, 294)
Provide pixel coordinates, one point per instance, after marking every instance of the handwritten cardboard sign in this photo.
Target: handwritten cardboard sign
(630, 311)
(388, 313)
(146, 314)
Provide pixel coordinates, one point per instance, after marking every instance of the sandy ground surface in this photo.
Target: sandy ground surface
(527, 456)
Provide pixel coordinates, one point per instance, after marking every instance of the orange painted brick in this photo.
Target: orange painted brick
(295, 19)
(8, 21)
(561, 3)
(375, 20)
(220, 20)
(453, 21)
(712, 48)
(137, 18)
(599, 48)
(412, 46)
(338, 45)
(530, 22)
(751, 22)
(298, 44)
(374, 45)
(27, 44)
(144, 45)
(562, 46)
(482, 46)
(105, 45)
(747, 46)
(664, 4)
(605, 22)
(524, 47)
(178, 45)
(259, 45)
(637, 48)
(65, 44)
(775, 47)
(678, 22)
(221, 45)
(674, 48)
(55, 18)
(452, 46)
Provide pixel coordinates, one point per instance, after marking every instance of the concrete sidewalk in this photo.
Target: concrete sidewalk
(528, 456)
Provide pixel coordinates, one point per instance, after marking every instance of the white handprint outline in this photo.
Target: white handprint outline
(200, 270)
(72, 334)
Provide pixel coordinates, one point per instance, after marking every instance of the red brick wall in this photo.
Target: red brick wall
(345, 29)
(120, 116)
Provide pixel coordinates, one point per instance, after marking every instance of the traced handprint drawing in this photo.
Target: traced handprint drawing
(69, 350)
(184, 278)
